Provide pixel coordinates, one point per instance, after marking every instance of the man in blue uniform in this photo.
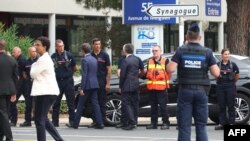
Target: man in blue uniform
(65, 66)
(103, 75)
(193, 62)
(28, 100)
(21, 84)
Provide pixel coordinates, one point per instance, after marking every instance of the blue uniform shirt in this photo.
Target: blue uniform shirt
(28, 64)
(63, 64)
(21, 62)
(103, 61)
(225, 70)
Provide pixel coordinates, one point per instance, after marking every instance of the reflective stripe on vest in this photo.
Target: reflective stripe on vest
(157, 76)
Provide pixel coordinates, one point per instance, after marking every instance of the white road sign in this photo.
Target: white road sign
(163, 10)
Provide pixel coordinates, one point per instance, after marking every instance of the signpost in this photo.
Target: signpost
(213, 7)
(134, 12)
(163, 10)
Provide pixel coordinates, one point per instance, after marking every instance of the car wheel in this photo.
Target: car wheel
(113, 109)
(242, 109)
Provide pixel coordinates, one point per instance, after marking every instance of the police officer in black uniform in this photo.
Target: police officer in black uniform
(65, 66)
(28, 100)
(22, 87)
(192, 62)
(226, 89)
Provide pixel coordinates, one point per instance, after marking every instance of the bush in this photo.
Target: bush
(10, 36)
(21, 107)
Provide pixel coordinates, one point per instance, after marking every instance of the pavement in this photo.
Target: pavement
(87, 121)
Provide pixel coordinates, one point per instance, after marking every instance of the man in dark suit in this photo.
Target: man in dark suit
(7, 90)
(89, 88)
(129, 84)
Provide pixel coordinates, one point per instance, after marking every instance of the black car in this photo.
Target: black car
(242, 107)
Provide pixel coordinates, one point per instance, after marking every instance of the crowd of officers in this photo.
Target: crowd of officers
(191, 60)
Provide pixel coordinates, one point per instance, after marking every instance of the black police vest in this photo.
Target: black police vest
(227, 76)
(193, 68)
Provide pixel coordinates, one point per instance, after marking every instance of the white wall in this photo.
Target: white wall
(63, 7)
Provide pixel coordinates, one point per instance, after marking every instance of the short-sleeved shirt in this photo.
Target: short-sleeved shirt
(225, 70)
(210, 60)
(21, 62)
(63, 64)
(103, 62)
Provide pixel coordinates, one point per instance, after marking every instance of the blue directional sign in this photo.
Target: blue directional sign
(213, 7)
(134, 12)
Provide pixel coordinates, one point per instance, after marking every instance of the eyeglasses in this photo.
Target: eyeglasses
(154, 50)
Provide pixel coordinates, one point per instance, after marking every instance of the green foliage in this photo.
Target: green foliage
(64, 107)
(113, 69)
(10, 36)
(21, 107)
(99, 4)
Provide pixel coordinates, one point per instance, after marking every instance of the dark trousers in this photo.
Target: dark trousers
(5, 129)
(101, 96)
(23, 88)
(92, 96)
(130, 102)
(42, 106)
(66, 87)
(192, 102)
(159, 98)
(226, 99)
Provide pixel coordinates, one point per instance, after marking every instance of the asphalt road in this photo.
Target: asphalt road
(112, 134)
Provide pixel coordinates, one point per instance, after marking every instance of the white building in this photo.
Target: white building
(52, 18)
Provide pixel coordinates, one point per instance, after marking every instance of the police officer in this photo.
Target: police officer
(226, 89)
(28, 100)
(103, 75)
(21, 85)
(192, 62)
(65, 66)
(158, 82)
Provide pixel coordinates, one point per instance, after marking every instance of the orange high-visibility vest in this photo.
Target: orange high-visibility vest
(157, 75)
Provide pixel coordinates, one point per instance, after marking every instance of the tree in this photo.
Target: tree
(238, 18)
(98, 4)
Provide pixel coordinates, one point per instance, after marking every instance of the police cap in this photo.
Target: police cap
(194, 28)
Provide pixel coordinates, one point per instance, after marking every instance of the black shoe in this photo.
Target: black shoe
(12, 124)
(99, 126)
(219, 127)
(151, 126)
(55, 124)
(25, 124)
(129, 127)
(71, 126)
(92, 125)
